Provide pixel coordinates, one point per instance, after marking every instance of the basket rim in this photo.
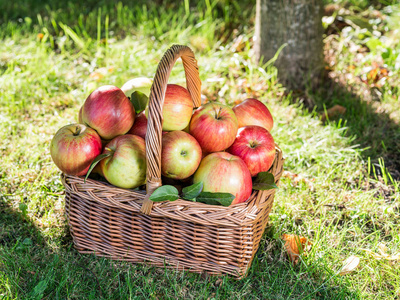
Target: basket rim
(132, 200)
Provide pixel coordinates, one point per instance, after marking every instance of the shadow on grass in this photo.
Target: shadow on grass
(76, 11)
(30, 268)
(33, 269)
(373, 131)
(19, 9)
(96, 20)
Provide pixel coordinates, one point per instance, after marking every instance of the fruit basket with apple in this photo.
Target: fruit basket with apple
(195, 194)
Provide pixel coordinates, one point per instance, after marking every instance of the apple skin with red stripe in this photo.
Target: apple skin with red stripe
(222, 172)
(108, 111)
(74, 147)
(256, 147)
(214, 126)
(253, 112)
(139, 126)
(177, 108)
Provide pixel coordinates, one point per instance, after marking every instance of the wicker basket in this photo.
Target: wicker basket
(124, 224)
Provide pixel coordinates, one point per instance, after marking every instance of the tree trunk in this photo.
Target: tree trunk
(298, 23)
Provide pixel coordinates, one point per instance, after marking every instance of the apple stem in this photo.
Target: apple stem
(77, 131)
(110, 151)
(218, 113)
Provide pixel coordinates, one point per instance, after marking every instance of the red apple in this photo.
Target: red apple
(253, 112)
(180, 155)
(139, 126)
(126, 167)
(74, 147)
(214, 126)
(256, 146)
(177, 109)
(225, 173)
(108, 111)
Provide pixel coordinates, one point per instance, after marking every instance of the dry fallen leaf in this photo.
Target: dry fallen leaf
(238, 44)
(350, 264)
(295, 245)
(383, 253)
(376, 76)
(333, 112)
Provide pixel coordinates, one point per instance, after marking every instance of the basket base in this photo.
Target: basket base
(163, 242)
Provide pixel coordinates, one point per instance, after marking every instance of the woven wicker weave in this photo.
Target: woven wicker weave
(110, 221)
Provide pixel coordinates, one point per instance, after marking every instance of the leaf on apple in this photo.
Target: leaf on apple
(224, 199)
(165, 193)
(95, 161)
(264, 181)
(192, 191)
(139, 101)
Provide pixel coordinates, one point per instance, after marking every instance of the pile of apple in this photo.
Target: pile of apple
(221, 147)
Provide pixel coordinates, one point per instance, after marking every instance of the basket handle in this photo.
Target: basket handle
(155, 119)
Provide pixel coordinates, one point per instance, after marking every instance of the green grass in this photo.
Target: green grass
(347, 198)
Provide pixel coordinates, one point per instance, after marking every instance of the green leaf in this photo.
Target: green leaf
(224, 199)
(264, 181)
(192, 191)
(139, 101)
(95, 161)
(165, 193)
